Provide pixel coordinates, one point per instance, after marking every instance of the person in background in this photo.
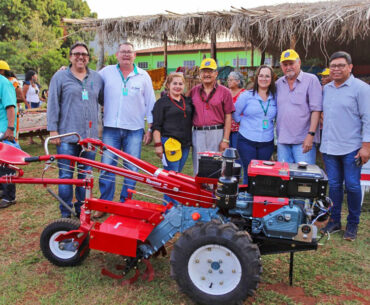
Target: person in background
(5, 71)
(325, 76)
(75, 95)
(31, 89)
(172, 124)
(299, 105)
(213, 106)
(345, 141)
(128, 98)
(236, 83)
(255, 110)
(8, 110)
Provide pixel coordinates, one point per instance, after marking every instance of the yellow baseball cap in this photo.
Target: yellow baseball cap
(289, 54)
(208, 63)
(324, 72)
(4, 65)
(172, 149)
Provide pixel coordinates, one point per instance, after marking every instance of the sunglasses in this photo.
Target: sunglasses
(77, 54)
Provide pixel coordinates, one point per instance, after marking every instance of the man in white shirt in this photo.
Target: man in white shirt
(129, 98)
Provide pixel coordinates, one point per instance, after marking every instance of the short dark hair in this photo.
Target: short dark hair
(29, 75)
(79, 44)
(341, 54)
(272, 87)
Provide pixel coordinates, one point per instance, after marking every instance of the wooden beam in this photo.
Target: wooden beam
(263, 56)
(213, 46)
(252, 55)
(165, 51)
(293, 42)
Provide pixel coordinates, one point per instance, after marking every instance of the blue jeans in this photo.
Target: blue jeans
(130, 142)
(341, 168)
(176, 166)
(249, 150)
(66, 172)
(34, 105)
(292, 153)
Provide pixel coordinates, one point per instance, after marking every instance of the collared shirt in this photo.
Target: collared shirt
(68, 111)
(294, 108)
(213, 112)
(127, 110)
(249, 112)
(346, 117)
(7, 98)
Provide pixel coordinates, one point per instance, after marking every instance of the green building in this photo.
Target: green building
(228, 54)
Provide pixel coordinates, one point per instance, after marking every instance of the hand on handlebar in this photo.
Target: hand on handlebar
(54, 141)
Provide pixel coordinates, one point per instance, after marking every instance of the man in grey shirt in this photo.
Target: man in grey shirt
(345, 140)
(74, 97)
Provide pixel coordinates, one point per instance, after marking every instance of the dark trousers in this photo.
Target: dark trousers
(8, 189)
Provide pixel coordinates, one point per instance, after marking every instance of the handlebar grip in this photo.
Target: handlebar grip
(32, 159)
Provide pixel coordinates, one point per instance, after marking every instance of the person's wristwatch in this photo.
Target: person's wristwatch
(312, 133)
(11, 128)
(149, 129)
(226, 141)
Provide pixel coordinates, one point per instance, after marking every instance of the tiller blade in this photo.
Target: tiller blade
(131, 263)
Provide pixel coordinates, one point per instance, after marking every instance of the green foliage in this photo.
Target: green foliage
(31, 33)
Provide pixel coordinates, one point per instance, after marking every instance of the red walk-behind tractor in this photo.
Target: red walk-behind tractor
(224, 227)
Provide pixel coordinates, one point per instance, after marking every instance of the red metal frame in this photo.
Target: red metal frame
(129, 223)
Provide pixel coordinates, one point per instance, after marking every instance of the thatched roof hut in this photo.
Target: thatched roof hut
(314, 29)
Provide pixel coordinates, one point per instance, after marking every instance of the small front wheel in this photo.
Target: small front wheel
(52, 249)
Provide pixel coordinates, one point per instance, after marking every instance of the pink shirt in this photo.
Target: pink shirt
(213, 112)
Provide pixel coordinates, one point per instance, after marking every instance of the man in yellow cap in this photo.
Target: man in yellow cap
(299, 105)
(325, 76)
(213, 105)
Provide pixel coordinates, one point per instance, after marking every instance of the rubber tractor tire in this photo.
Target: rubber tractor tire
(50, 247)
(216, 264)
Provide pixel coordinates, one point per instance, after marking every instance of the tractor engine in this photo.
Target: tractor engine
(282, 200)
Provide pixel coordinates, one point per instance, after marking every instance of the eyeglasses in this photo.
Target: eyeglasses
(126, 52)
(338, 66)
(78, 54)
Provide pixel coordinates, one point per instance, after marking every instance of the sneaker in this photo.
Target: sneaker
(351, 232)
(4, 203)
(331, 227)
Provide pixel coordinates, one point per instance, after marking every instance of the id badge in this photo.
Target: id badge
(265, 124)
(85, 95)
(124, 91)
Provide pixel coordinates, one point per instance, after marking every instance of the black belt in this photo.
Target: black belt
(213, 127)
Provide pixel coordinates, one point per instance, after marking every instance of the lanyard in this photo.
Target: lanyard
(178, 106)
(125, 81)
(267, 108)
(209, 96)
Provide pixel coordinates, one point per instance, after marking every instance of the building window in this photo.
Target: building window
(143, 64)
(242, 62)
(189, 63)
(160, 64)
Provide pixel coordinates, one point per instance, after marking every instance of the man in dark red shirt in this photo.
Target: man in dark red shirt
(213, 106)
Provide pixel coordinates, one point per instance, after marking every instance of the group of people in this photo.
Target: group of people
(212, 117)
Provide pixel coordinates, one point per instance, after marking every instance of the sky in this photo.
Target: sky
(124, 8)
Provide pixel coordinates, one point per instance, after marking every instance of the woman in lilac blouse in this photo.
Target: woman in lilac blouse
(255, 110)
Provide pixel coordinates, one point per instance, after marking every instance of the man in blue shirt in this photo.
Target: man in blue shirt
(8, 104)
(128, 99)
(345, 140)
(73, 104)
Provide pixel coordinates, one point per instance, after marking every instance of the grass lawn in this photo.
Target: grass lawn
(337, 273)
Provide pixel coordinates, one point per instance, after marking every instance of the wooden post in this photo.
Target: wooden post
(213, 46)
(165, 40)
(252, 55)
(100, 62)
(263, 55)
(292, 42)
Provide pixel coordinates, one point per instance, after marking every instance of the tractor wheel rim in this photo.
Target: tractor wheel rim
(54, 247)
(214, 269)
